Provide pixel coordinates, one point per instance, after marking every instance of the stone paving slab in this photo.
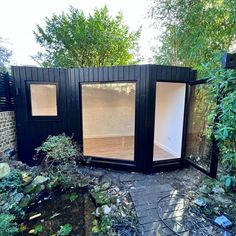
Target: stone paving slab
(145, 199)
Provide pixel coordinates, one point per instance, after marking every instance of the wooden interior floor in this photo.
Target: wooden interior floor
(118, 148)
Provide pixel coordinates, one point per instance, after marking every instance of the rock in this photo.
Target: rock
(97, 212)
(98, 173)
(106, 209)
(32, 188)
(106, 185)
(52, 184)
(204, 189)
(218, 190)
(4, 170)
(223, 221)
(10, 153)
(24, 202)
(18, 197)
(222, 199)
(29, 188)
(39, 180)
(40, 191)
(227, 234)
(199, 202)
(20, 166)
(102, 198)
(114, 208)
(83, 183)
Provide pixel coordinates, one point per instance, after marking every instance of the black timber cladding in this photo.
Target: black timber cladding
(31, 133)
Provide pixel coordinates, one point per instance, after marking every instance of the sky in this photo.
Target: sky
(19, 18)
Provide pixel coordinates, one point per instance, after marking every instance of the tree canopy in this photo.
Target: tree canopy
(5, 56)
(76, 40)
(193, 31)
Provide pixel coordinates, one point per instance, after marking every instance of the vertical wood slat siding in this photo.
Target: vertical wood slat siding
(173, 74)
(140, 120)
(30, 133)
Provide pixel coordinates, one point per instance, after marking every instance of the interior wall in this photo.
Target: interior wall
(43, 100)
(108, 112)
(169, 116)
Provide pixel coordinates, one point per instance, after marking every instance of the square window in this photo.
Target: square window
(43, 99)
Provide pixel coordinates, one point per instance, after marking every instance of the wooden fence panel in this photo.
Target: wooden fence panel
(6, 92)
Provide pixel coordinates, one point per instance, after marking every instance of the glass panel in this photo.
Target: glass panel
(198, 146)
(43, 99)
(169, 116)
(108, 120)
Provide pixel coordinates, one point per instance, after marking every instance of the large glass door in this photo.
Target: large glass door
(199, 142)
(108, 114)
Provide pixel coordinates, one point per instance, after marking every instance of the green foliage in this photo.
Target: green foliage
(64, 230)
(73, 197)
(8, 226)
(57, 151)
(76, 40)
(9, 204)
(103, 226)
(95, 228)
(106, 224)
(223, 87)
(194, 30)
(5, 56)
(38, 229)
(12, 181)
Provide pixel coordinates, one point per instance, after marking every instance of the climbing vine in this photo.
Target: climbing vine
(223, 87)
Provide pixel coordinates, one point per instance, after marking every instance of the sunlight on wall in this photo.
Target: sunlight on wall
(169, 115)
(43, 100)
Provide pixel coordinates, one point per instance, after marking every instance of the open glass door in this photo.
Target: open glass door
(199, 145)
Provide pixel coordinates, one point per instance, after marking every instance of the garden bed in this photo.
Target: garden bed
(35, 202)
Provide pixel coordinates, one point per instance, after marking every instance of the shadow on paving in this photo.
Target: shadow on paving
(147, 189)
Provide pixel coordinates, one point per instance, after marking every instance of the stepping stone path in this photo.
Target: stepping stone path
(145, 200)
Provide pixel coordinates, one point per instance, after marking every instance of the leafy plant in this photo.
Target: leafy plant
(73, 197)
(95, 228)
(12, 181)
(77, 40)
(223, 87)
(58, 151)
(38, 229)
(103, 225)
(8, 226)
(65, 230)
(193, 31)
(5, 55)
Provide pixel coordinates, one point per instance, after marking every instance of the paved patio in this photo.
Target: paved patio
(146, 190)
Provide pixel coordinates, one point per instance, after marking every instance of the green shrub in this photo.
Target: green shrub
(8, 226)
(12, 181)
(57, 151)
(223, 87)
(64, 230)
